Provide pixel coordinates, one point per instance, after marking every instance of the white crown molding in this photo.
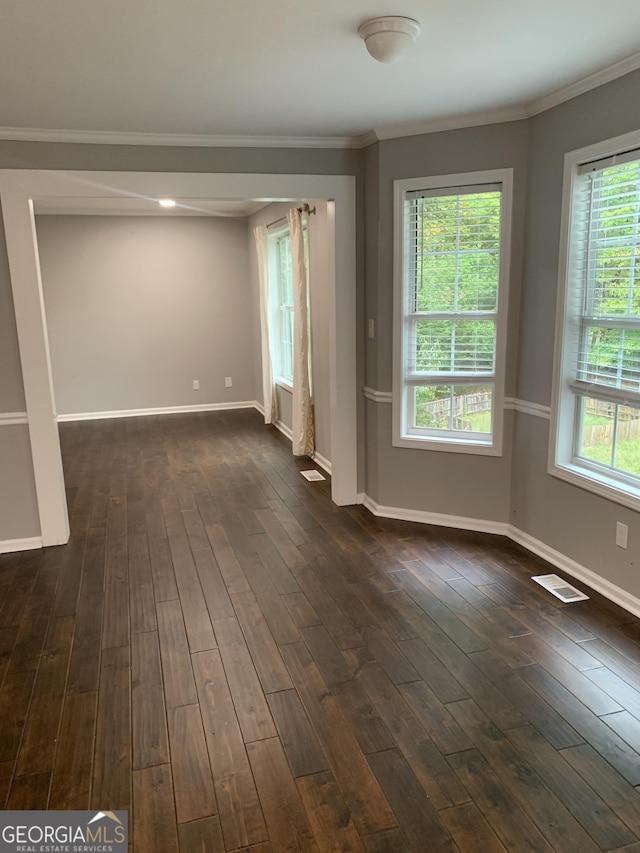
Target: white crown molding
(437, 125)
(166, 410)
(179, 140)
(513, 113)
(13, 418)
(585, 84)
(365, 139)
(9, 546)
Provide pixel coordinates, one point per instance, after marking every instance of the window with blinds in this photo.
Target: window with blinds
(451, 281)
(603, 334)
(595, 442)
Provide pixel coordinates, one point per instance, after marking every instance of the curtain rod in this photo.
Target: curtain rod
(310, 211)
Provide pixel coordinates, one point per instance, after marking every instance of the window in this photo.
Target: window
(281, 316)
(452, 261)
(598, 379)
(285, 307)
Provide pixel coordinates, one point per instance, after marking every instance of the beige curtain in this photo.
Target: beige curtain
(269, 397)
(302, 415)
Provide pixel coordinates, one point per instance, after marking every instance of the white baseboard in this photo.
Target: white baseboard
(8, 546)
(322, 461)
(440, 519)
(284, 429)
(318, 458)
(576, 570)
(165, 410)
(609, 590)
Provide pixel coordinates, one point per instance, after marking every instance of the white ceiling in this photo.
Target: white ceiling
(291, 68)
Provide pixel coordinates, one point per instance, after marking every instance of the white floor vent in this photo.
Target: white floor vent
(312, 476)
(560, 588)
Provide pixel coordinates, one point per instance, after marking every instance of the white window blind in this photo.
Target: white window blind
(606, 266)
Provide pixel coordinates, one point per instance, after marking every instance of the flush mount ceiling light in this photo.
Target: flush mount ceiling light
(389, 38)
(166, 202)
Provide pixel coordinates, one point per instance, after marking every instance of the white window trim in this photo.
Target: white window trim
(561, 462)
(492, 446)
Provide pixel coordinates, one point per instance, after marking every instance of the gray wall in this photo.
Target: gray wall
(571, 520)
(427, 480)
(140, 158)
(18, 507)
(516, 487)
(17, 490)
(139, 307)
(11, 391)
(18, 515)
(320, 314)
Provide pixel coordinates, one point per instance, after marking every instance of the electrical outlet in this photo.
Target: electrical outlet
(196, 384)
(228, 382)
(622, 533)
(372, 327)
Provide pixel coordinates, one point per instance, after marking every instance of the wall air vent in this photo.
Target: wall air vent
(560, 588)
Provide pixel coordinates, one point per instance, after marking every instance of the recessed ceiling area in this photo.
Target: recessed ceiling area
(291, 69)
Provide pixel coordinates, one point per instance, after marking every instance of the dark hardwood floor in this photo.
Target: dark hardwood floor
(245, 666)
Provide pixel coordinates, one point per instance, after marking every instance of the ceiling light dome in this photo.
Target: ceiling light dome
(390, 37)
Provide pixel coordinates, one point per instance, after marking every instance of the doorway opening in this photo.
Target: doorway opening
(22, 191)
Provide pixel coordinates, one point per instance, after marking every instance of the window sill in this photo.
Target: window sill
(478, 448)
(599, 484)
(286, 384)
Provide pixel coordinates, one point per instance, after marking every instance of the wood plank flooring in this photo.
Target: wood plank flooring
(245, 666)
